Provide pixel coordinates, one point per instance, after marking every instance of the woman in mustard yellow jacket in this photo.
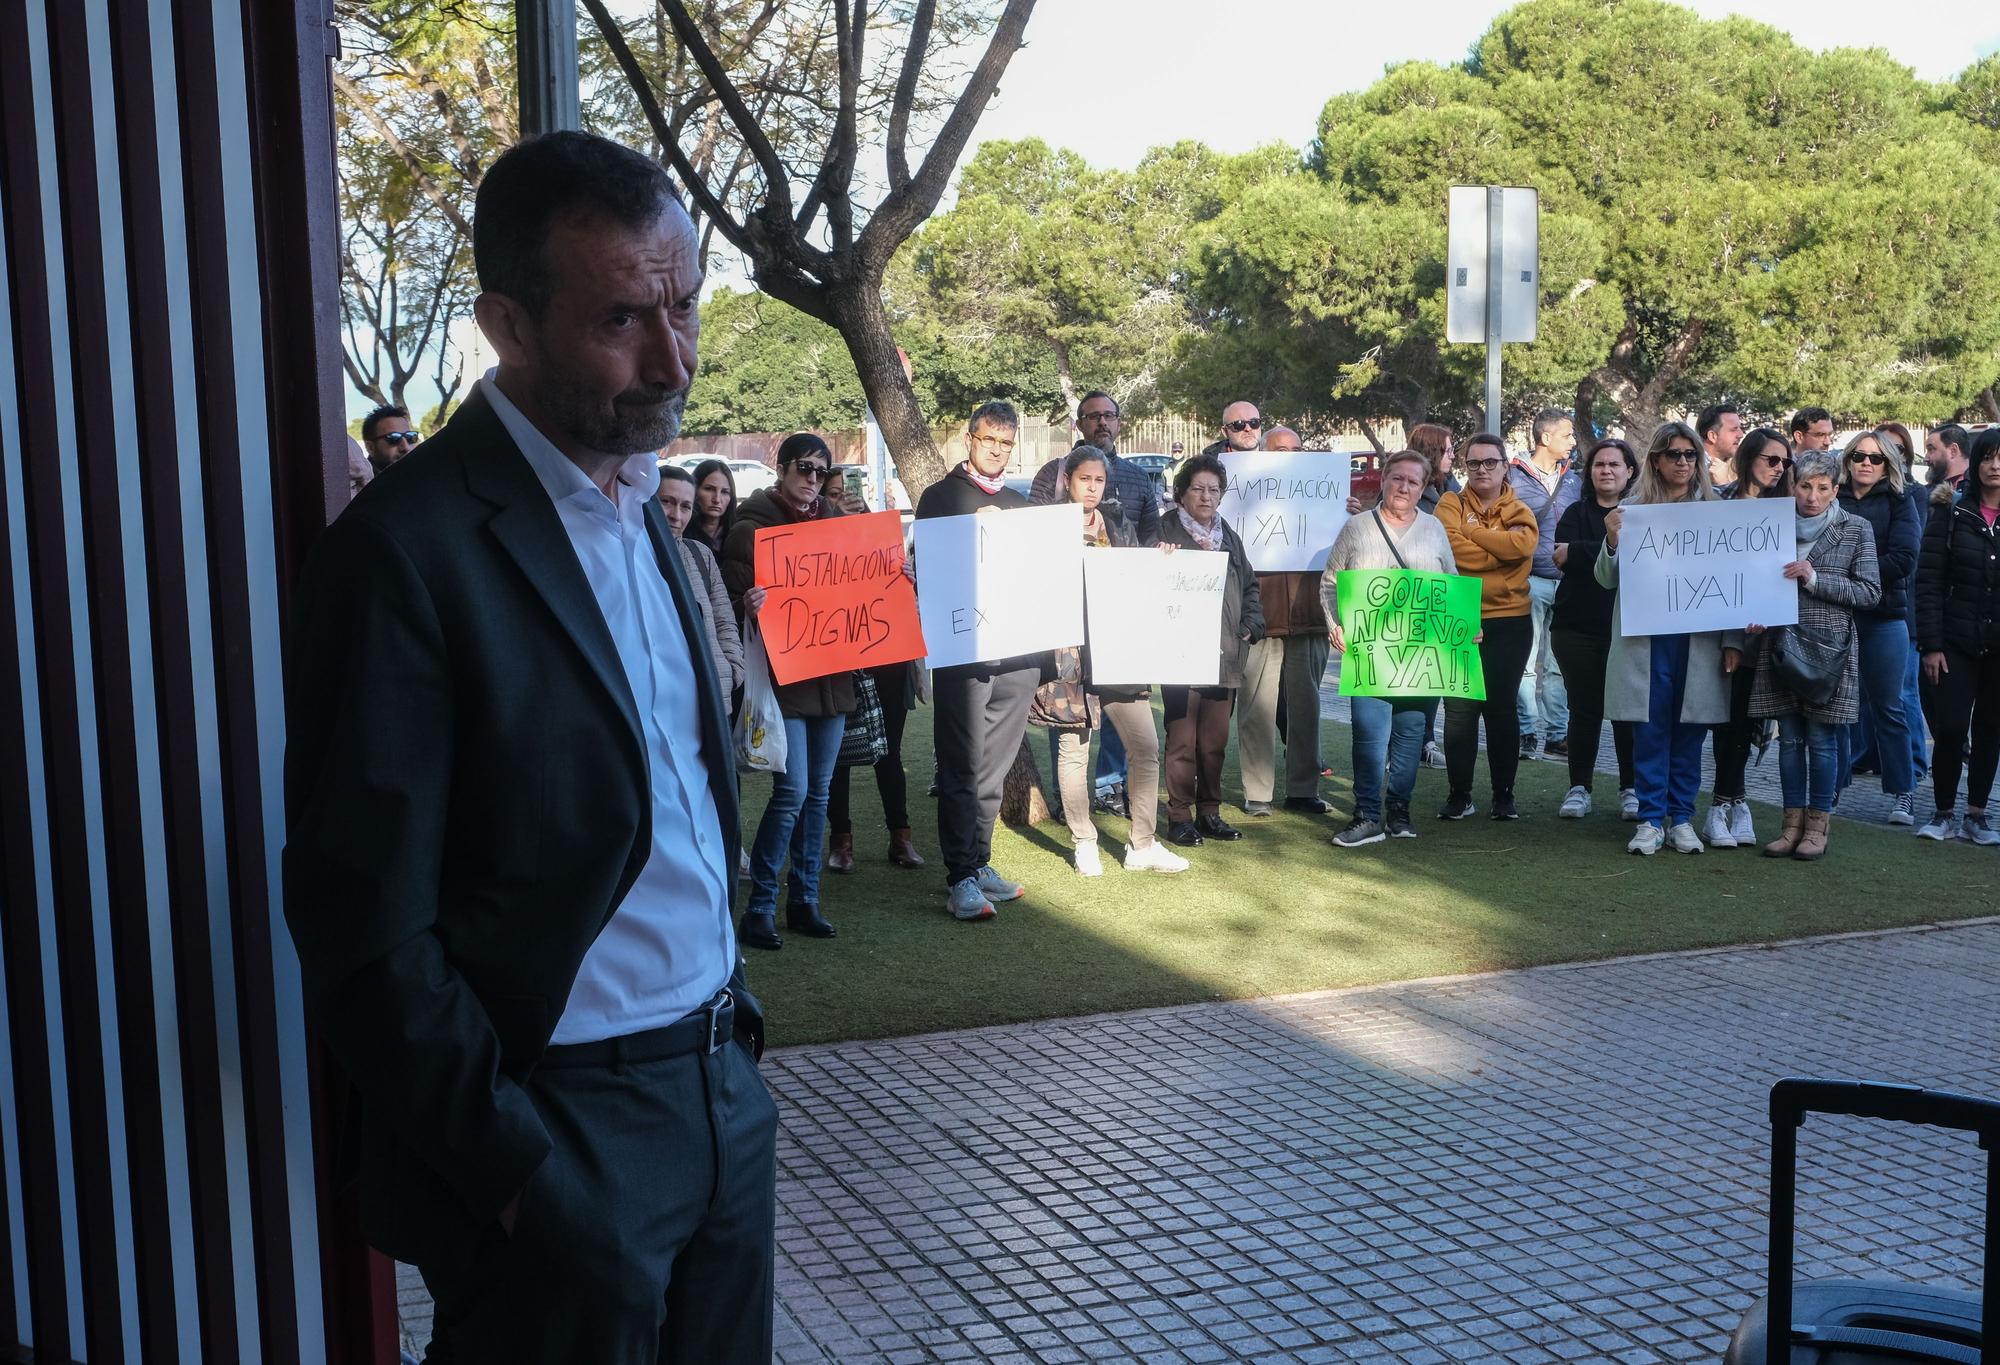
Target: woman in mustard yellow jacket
(1493, 536)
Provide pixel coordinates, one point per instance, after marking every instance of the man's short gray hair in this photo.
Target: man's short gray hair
(1815, 464)
(996, 412)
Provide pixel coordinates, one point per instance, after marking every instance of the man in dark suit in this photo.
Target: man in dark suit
(512, 810)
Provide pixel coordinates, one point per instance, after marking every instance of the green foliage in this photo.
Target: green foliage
(766, 366)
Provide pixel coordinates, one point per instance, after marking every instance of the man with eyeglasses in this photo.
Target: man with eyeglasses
(1128, 495)
(1812, 429)
(1547, 485)
(982, 708)
(388, 435)
(1720, 426)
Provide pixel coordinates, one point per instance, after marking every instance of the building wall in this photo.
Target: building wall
(168, 407)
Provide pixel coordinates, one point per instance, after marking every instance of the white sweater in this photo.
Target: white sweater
(1423, 545)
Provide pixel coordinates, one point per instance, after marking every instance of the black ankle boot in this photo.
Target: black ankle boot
(803, 917)
(759, 930)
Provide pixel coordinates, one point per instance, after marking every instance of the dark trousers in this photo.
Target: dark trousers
(980, 720)
(1734, 738)
(1197, 737)
(892, 685)
(643, 1239)
(1583, 660)
(1503, 653)
(1966, 703)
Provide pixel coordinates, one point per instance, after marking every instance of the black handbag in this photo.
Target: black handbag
(1809, 663)
(866, 740)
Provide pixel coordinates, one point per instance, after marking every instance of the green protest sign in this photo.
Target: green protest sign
(1409, 634)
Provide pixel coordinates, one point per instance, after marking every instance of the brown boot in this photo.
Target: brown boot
(840, 854)
(1812, 844)
(903, 850)
(1795, 824)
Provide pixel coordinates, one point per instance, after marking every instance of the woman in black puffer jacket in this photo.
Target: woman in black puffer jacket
(1958, 632)
(1871, 487)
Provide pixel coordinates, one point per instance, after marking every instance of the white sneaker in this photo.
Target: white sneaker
(1434, 755)
(1685, 840)
(1716, 831)
(1088, 864)
(1628, 804)
(1646, 840)
(1941, 826)
(1576, 805)
(1903, 809)
(1740, 827)
(1154, 857)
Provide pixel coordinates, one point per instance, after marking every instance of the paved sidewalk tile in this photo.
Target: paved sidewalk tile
(1559, 1164)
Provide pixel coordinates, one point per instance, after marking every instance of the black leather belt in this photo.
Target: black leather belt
(704, 1029)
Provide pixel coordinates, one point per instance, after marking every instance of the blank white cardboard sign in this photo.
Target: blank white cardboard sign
(1154, 617)
(993, 585)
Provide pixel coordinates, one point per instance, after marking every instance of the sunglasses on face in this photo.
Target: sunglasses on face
(1481, 466)
(398, 437)
(1774, 461)
(1868, 457)
(1244, 424)
(1680, 456)
(812, 469)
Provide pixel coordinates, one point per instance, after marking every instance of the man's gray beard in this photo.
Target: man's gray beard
(607, 431)
(1107, 444)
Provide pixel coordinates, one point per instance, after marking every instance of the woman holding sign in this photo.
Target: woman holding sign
(1493, 538)
(1672, 687)
(1388, 732)
(815, 712)
(1198, 717)
(1808, 676)
(1071, 706)
(1581, 631)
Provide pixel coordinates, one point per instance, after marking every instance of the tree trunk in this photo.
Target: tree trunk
(1989, 398)
(1021, 800)
(1584, 414)
(1373, 440)
(858, 315)
(1066, 382)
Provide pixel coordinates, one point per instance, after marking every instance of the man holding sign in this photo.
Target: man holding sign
(982, 704)
(1408, 628)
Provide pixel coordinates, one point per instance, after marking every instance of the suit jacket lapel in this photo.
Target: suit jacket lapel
(527, 527)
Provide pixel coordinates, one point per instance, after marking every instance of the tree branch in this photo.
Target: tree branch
(906, 94)
(358, 99)
(776, 177)
(905, 208)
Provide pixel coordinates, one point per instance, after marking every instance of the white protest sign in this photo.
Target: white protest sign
(1287, 505)
(1685, 567)
(993, 585)
(1155, 617)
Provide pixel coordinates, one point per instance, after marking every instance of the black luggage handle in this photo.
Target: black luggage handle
(1791, 1100)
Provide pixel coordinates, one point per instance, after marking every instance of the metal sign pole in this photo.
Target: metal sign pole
(1493, 239)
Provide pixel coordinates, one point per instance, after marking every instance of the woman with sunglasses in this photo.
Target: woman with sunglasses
(1763, 470)
(1871, 475)
(1672, 687)
(1493, 538)
(815, 711)
(1958, 606)
(714, 506)
(1580, 632)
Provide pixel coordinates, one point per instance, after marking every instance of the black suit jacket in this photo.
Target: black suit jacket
(467, 803)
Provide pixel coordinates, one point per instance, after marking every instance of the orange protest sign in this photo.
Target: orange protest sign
(835, 597)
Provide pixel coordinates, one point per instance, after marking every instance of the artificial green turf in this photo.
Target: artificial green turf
(1283, 910)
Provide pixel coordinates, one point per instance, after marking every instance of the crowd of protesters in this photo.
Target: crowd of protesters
(1898, 580)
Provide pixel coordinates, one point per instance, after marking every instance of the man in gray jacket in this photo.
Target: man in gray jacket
(1548, 485)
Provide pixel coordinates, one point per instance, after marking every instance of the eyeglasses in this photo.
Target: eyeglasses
(1097, 417)
(1203, 490)
(399, 437)
(1244, 424)
(1774, 461)
(1868, 457)
(1681, 456)
(992, 442)
(812, 469)
(1490, 462)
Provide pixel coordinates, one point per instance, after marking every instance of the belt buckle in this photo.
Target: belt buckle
(721, 1016)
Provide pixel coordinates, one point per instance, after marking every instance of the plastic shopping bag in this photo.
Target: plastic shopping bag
(760, 729)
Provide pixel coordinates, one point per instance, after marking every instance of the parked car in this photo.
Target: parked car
(1367, 478)
(1159, 468)
(751, 475)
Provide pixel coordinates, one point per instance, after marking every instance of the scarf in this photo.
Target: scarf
(986, 485)
(1809, 528)
(1210, 539)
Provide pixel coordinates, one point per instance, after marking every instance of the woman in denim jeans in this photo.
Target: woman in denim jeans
(1396, 535)
(1837, 577)
(1871, 471)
